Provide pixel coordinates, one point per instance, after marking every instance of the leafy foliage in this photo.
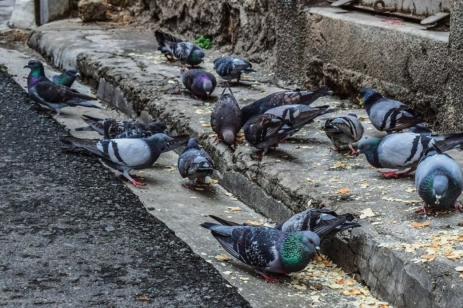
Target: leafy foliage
(204, 42)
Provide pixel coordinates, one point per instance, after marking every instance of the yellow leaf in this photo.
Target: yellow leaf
(420, 225)
(222, 257)
(205, 125)
(234, 208)
(343, 191)
(254, 223)
(352, 292)
(143, 298)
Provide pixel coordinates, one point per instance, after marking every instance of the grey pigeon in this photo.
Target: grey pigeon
(186, 52)
(128, 154)
(386, 114)
(344, 130)
(282, 98)
(232, 67)
(195, 164)
(402, 151)
(118, 129)
(267, 249)
(323, 222)
(199, 82)
(298, 115)
(266, 130)
(226, 119)
(439, 181)
(45, 92)
(67, 78)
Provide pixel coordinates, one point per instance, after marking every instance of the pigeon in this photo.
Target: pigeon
(402, 151)
(298, 115)
(267, 130)
(118, 129)
(186, 52)
(267, 249)
(199, 82)
(195, 164)
(323, 222)
(45, 92)
(344, 130)
(282, 98)
(439, 181)
(67, 78)
(226, 119)
(231, 68)
(386, 114)
(128, 154)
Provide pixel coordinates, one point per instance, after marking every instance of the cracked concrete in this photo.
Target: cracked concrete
(297, 174)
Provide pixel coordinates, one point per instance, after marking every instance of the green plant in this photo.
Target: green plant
(204, 42)
(3, 69)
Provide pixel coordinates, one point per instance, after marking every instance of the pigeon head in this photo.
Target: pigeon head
(197, 56)
(368, 96)
(440, 186)
(207, 86)
(228, 136)
(157, 126)
(72, 72)
(311, 241)
(368, 146)
(36, 68)
(192, 143)
(159, 141)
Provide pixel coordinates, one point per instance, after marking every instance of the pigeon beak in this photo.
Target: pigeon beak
(438, 199)
(27, 66)
(317, 249)
(78, 75)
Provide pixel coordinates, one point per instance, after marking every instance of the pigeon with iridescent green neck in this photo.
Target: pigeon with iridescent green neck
(199, 82)
(439, 181)
(186, 52)
(67, 78)
(267, 249)
(45, 92)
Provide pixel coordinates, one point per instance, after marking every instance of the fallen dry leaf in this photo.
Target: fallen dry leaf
(428, 257)
(222, 257)
(206, 125)
(459, 269)
(234, 208)
(335, 286)
(143, 298)
(299, 287)
(352, 292)
(455, 255)
(420, 225)
(343, 191)
(254, 223)
(367, 213)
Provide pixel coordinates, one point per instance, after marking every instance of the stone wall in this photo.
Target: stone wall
(244, 27)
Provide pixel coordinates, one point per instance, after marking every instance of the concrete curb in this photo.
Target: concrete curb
(141, 90)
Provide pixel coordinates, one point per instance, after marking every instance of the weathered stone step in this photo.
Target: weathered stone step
(388, 253)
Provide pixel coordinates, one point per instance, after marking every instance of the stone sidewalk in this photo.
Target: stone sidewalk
(402, 263)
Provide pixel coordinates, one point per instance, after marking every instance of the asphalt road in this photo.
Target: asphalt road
(72, 235)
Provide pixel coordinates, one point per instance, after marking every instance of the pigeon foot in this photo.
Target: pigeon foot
(135, 183)
(353, 151)
(394, 174)
(458, 207)
(424, 210)
(269, 279)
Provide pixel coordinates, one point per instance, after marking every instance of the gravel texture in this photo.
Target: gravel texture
(72, 234)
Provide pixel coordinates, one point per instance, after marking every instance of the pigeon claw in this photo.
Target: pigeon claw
(394, 174)
(458, 207)
(136, 183)
(269, 279)
(423, 210)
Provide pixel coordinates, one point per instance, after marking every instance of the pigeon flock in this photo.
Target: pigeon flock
(289, 247)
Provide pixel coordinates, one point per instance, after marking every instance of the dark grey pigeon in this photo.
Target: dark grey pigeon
(322, 222)
(266, 130)
(199, 82)
(67, 78)
(186, 52)
(128, 154)
(403, 151)
(45, 92)
(232, 67)
(267, 250)
(298, 115)
(119, 129)
(195, 164)
(226, 119)
(386, 114)
(439, 181)
(282, 98)
(344, 130)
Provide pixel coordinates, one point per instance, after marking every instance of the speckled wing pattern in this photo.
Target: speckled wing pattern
(56, 94)
(193, 160)
(262, 127)
(230, 67)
